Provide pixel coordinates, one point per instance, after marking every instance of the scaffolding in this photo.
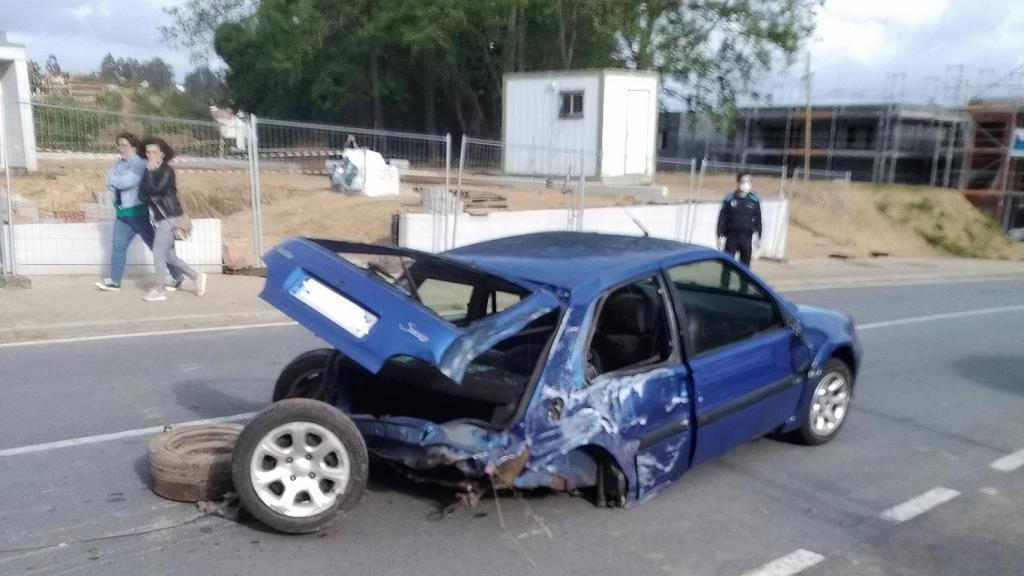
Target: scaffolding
(993, 176)
(884, 143)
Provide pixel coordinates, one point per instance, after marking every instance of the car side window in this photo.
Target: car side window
(631, 330)
(722, 305)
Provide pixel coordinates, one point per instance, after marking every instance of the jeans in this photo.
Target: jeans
(164, 257)
(125, 230)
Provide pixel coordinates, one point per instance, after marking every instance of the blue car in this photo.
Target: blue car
(597, 364)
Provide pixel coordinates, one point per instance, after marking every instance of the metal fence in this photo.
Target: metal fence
(304, 147)
(65, 129)
(252, 174)
(834, 175)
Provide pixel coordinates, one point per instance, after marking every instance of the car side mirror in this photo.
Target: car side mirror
(790, 318)
(800, 354)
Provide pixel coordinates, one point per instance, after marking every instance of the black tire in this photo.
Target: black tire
(303, 376)
(192, 463)
(808, 434)
(306, 411)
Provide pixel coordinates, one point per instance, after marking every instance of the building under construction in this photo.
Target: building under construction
(889, 143)
(993, 164)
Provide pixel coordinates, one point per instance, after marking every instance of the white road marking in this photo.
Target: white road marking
(144, 334)
(919, 504)
(791, 563)
(116, 435)
(1009, 463)
(934, 317)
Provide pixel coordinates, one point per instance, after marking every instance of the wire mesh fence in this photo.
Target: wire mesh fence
(716, 179)
(65, 129)
(261, 180)
(307, 147)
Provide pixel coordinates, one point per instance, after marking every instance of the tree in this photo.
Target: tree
(158, 74)
(438, 65)
(52, 66)
(35, 77)
(129, 71)
(109, 70)
(205, 86)
(194, 24)
(712, 50)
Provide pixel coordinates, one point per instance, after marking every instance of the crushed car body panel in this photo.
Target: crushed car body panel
(372, 322)
(557, 425)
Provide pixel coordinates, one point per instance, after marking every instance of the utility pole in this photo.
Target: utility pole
(807, 119)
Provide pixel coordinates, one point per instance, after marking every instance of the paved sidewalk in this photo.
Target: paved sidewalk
(70, 307)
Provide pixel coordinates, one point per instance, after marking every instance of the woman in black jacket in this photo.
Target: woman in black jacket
(160, 191)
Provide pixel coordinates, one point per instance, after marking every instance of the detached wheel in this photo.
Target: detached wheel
(192, 463)
(298, 464)
(303, 377)
(829, 404)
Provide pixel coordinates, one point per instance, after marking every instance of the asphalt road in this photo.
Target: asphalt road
(938, 402)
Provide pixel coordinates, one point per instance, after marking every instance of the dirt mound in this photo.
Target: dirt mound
(826, 217)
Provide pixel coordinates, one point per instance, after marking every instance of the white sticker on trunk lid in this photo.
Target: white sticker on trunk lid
(352, 317)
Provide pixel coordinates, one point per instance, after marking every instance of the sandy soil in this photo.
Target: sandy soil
(826, 218)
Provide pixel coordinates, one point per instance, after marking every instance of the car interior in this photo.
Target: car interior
(721, 305)
(631, 330)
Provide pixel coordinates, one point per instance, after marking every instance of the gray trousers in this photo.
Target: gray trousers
(164, 257)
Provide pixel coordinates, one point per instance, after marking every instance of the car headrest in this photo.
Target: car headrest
(626, 313)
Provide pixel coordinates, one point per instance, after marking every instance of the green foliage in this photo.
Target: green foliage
(435, 64)
(205, 86)
(110, 100)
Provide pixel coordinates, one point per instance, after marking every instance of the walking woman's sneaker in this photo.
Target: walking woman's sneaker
(108, 285)
(155, 296)
(201, 284)
(174, 286)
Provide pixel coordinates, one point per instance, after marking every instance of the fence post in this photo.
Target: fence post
(447, 184)
(8, 243)
(254, 191)
(696, 199)
(458, 192)
(582, 196)
(782, 183)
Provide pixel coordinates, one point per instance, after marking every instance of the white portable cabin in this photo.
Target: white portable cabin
(605, 120)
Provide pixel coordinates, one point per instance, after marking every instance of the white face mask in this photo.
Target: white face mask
(745, 187)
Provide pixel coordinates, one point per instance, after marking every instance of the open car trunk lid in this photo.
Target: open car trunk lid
(371, 320)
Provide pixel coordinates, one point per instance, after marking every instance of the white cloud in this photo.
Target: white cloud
(82, 12)
(904, 13)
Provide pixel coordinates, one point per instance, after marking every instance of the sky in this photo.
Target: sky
(858, 53)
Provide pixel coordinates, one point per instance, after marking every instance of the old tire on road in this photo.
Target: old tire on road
(193, 463)
(298, 464)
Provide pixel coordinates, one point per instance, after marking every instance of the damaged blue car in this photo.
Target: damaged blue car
(596, 364)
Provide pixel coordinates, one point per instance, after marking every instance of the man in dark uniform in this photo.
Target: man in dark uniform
(739, 221)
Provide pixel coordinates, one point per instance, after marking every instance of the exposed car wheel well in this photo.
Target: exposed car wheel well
(845, 354)
(612, 488)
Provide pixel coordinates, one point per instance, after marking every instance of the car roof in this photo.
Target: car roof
(570, 259)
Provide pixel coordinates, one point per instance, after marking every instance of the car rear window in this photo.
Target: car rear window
(457, 294)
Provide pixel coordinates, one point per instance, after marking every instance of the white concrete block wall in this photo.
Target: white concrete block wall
(694, 223)
(85, 249)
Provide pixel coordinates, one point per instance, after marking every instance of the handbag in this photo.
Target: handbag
(181, 225)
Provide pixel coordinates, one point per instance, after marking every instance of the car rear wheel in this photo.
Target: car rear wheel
(303, 377)
(298, 464)
(829, 405)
